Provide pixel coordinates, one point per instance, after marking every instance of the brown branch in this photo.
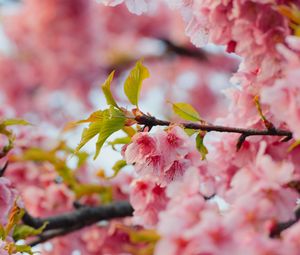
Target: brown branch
(280, 227)
(195, 53)
(82, 217)
(3, 169)
(151, 121)
(45, 236)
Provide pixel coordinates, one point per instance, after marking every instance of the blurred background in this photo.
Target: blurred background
(55, 54)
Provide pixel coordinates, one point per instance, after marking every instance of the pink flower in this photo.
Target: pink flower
(286, 91)
(134, 6)
(8, 197)
(142, 146)
(147, 199)
(164, 156)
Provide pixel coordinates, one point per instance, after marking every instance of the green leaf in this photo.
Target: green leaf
(23, 248)
(133, 83)
(2, 232)
(24, 231)
(144, 236)
(10, 137)
(200, 146)
(190, 131)
(118, 166)
(186, 111)
(89, 133)
(106, 90)
(39, 155)
(120, 140)
(103, 123)
(294, 145)
(89, 189)
(95, 116)
(15, 216)
(82, 158)
(113, 120)
(95, 119)
(11, 122)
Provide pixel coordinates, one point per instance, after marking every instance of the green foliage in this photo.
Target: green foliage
(200, 146)
(13, 122)
(190, 131)
(23, 248)
(186, 111)
(133, 83)
(89, 133)
(60, 165)
(113, 121)
(104, 124)
(24, 231)
(294, 145)
(81, 190)
(106, 90)
(2, 232)
(15, 216)
(144, 235)
(10, 137)
(118, 166)
(120, 140)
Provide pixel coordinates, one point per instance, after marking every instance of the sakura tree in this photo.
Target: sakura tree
(190, 145)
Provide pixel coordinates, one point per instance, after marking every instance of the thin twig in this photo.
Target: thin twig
(152, 121)
(280, 227)
(3, 169)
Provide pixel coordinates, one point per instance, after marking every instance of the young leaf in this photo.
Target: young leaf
(106, 90)
(24, 249)
(11, 122)
(120, 140)
(2, 232)
(88, 189)
(118, 166)
(133, 83)
(190, 131)
(144, 235)
(88, 133)
(294, 145)
(24, 231)
(267, 123)
(10, 137)
(15, 215)
(200, 146)
(39, 155)
(95, 116)
(186, 111)
(113, 121)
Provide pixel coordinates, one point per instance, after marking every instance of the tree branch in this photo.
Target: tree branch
(280, 227)
(195, 53)
(86, 215)
(151, 121)
(83, 217)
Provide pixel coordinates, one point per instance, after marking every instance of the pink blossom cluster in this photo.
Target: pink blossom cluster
(251, 29)
(228, 203)
(255, 181)
(8, 197)
(255, 190)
